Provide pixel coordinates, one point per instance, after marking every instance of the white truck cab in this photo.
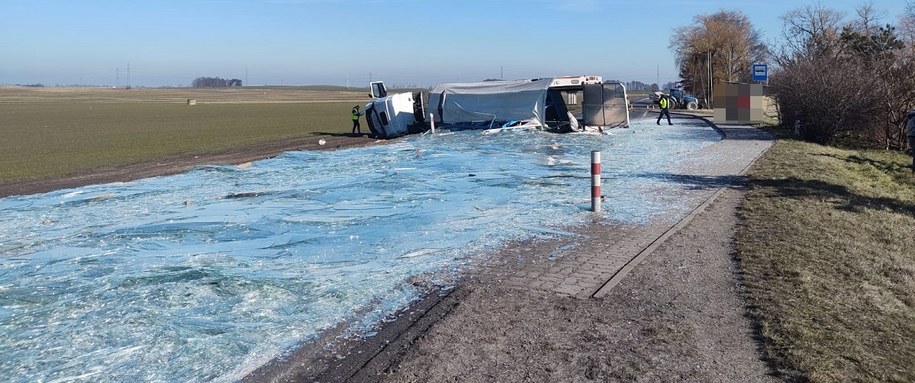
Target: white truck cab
(395, 115)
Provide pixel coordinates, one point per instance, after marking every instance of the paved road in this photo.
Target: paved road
(640, 108)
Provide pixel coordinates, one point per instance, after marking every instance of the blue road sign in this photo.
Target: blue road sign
(760, 72)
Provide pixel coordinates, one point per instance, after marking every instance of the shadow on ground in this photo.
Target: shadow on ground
(699, 182)
(795, 187)
(890, 168)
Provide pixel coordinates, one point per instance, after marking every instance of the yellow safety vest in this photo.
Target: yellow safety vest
(355, 115)
(663, 102)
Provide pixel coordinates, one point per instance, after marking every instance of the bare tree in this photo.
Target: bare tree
(809, 32)
(716, 48)
(869, 19)
(907, 25)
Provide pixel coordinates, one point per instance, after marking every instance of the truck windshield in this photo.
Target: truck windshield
(378, 90)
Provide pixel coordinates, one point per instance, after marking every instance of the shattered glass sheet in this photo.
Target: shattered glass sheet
(209, 274)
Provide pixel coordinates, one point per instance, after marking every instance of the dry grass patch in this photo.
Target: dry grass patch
(827, 246)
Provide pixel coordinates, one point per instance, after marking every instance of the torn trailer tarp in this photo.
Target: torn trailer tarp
(490, 101)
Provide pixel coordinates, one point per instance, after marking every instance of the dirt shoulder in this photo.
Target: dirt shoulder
(183, 163)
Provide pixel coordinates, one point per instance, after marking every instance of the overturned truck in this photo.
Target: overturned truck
(561, 104)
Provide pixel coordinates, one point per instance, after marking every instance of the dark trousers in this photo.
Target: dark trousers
(664, 112)
(912, 146)
(356, 127)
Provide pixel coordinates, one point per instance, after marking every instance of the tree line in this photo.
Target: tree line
(847, 81)
(214, 82)
(842, 80)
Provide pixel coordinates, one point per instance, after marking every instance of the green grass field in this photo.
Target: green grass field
(56, 132)
(827, 248)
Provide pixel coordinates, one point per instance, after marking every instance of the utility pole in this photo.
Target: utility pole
(709, 90)
(501, 73)
(246, 76)
(128, 75)
(117, 77)
(370, 77)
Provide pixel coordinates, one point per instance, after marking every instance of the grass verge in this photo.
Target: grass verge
(827, 248)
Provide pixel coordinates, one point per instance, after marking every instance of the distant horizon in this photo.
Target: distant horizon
(169, 43)
(366, 86)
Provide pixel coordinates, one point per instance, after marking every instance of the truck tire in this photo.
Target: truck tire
(692, 105)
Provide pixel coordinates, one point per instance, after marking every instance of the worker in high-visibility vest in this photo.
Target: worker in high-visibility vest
(664, 103)
(356, 114)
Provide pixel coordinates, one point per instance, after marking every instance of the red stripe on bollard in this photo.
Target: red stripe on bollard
(595, 181)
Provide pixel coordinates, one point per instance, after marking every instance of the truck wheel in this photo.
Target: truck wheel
(692, 105)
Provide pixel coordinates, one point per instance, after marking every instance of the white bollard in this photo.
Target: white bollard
(432, 122)
(595, 181)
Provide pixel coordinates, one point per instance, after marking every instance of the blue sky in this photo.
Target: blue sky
(405, 42)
